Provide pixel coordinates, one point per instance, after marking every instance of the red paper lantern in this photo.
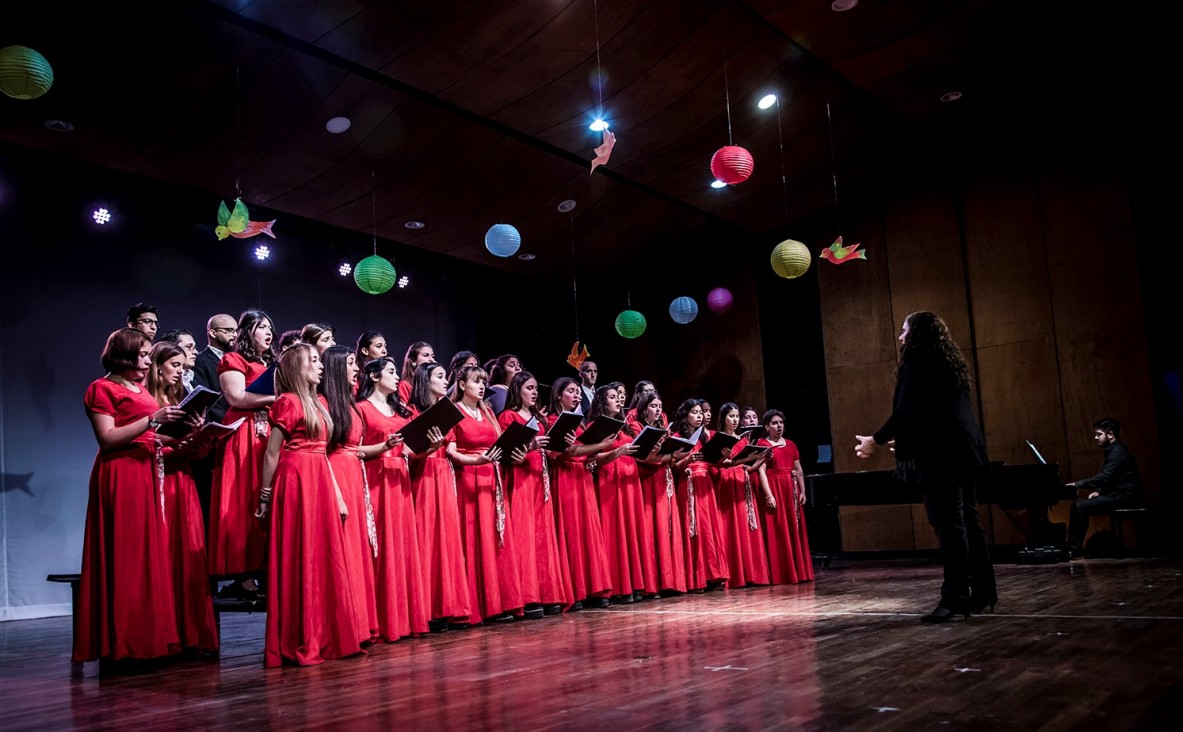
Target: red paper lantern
(732, 164)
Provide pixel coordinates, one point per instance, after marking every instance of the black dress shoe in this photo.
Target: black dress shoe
(437, 626)
(943, 614)
(533, 613)
(553, 609)
(597, 602)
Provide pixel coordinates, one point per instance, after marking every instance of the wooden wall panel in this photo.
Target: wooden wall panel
(877, 528)
(1020, 396)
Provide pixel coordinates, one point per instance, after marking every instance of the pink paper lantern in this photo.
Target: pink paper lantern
(719, 300)
(732, 164)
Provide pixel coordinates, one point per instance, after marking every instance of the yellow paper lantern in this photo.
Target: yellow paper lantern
(790, 259)
(24, 73)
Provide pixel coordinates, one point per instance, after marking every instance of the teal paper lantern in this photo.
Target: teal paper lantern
(374, 275)
(24, 73)
(683, 310)
(630, 324)
(502, 240)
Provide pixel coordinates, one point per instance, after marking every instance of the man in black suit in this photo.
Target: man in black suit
(940, 449)
(1117, 485)
(219, 331)
(588, 373)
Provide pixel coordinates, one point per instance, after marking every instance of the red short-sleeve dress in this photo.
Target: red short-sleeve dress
(744, 544)
(579, 524)
(628, 540)
(706, 558)
(789, 560)
(125, 602)
(186, 533)
(360, 545)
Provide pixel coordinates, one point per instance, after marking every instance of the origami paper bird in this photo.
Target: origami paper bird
(604, 151)
(577, 357)
(237, 223)
(838, 254)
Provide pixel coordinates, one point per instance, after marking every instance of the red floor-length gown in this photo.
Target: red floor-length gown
(628, 542)
(437, 518)
(789, 560)
(310, 611)
(186, 533)
(706, 557)
(579, 524)
(359, 542)
(669, 531)
(125, 601)
(238, 540)
(542, 559)
(746, 560)
(404, 606)
(494, 585)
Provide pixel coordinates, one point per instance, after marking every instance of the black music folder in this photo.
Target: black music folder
(195, 402)
(673, 443)
(442, 414)
(264, 383)
(646, 440)
(751, 449)
(598, 431)
(515, 435)
(567, 423)
(719, 447)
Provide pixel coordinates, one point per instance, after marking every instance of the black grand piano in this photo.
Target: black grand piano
(1032, 487)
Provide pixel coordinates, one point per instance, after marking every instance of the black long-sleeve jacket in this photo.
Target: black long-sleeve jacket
(1119, 476)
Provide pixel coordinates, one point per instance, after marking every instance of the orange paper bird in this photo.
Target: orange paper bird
(839, 254)
(604, 151)
(577, 357)
(254, 228)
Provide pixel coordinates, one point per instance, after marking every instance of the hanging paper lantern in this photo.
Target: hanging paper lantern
(719, 299)
(732, 164)
(24, 73)
(502, 240)
(630, 324)
(683, 310)
(374, 275)
(790, 259)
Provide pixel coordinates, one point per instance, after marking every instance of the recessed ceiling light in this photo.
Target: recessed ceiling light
(766, 101)
(841, 6)
(345, 269)
(568, 205)
(718, 184)
(58, 125)
(952, 96)
(527, 257)
(101, 216)
(337, 125)
(262, 252)
(414, 225)
(598, 126)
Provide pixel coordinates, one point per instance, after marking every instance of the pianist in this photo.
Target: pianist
(1116, 486)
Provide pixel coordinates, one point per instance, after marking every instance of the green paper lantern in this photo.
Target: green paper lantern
(790, 259)
(374, 275)
(630, 324)
(24, 73)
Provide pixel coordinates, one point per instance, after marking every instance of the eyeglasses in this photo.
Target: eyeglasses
(230, 330)
(148, 321)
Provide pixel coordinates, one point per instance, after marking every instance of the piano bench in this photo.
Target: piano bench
(1140, 518)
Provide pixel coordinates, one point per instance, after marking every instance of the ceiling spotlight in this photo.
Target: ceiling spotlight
(414, 225)
(952, 96)
(598, 126)
(841, 6)
(58, 125)
(101, 216)
(345, 269)
(718, 184)
(262, 252)
(568, 205)
(527, 257)
(403, 281)
(766, 101)
(337, 125)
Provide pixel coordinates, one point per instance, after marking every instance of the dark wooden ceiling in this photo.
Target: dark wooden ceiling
(472, 112)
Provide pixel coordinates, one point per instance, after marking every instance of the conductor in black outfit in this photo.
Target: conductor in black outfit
(1116, 486)
(940, 450)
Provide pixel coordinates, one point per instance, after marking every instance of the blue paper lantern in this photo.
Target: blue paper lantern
(683, 310)
(502, 240)
(630, 324)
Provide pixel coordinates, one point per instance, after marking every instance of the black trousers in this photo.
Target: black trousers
(951, 502)
(1078, 519)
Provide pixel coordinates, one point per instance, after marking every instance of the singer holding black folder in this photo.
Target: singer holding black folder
(660, 502)
(628, 542)
(578, 509)
(542, 561)
(706, 563)
(237, 540)
(437, 517)
(746, 560)
(486, 524)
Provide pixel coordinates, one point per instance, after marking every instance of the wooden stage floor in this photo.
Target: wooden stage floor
(1095, 644)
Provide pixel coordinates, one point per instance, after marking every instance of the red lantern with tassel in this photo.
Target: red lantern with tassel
(732, 164)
